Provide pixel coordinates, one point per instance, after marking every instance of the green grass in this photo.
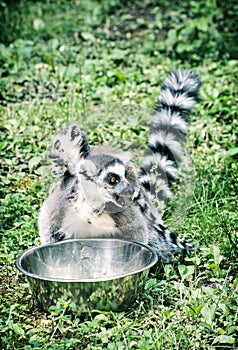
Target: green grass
(101, 63)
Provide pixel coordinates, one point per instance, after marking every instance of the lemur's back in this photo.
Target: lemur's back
(100, 193)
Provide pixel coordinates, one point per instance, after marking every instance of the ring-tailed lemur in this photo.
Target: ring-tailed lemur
(100, 193)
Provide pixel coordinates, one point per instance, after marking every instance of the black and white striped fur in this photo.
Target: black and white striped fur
(179, 93)
(100, 193)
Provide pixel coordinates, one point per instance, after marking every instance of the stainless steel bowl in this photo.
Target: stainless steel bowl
(101, 274)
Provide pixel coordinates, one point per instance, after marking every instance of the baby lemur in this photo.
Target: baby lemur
(100, 193)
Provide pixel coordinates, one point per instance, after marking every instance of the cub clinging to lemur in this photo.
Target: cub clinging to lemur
(100, 193)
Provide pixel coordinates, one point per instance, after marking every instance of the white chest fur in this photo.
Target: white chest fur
(82, 222)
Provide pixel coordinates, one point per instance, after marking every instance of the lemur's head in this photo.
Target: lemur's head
(107, 180)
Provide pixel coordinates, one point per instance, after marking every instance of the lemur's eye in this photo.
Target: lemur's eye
(113, 179)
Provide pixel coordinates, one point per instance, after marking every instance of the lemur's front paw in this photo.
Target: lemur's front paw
(58, 236)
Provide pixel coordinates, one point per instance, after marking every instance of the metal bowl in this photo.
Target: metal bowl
(101, 274)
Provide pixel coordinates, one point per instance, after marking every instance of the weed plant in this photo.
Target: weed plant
(101, 63)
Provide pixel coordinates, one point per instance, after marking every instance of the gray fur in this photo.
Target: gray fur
(100, 193)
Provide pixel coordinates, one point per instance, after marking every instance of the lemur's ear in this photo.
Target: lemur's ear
(69, 147)
(74, 132)
(125, 156)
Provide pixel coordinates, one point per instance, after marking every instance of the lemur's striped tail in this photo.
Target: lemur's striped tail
(179, 93)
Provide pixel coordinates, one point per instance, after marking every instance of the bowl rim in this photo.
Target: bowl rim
(19, 259)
